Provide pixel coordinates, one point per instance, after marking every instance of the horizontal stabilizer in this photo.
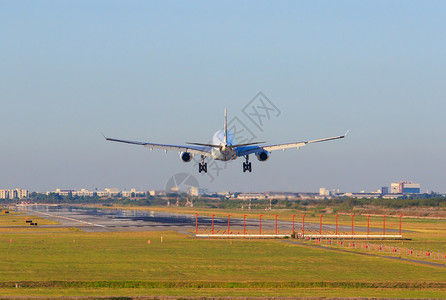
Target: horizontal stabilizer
(219, 146)
(205, 145)
(248, 144)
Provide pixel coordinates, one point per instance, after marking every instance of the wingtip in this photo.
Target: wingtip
(104, 136)
(346, 133)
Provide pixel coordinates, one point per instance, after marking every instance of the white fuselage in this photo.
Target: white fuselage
(225, 152)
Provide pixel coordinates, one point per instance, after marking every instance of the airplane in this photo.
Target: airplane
(225, 148)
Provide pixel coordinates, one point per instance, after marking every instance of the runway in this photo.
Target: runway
(104, 219)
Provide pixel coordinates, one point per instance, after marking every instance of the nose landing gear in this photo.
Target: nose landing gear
(202, 166)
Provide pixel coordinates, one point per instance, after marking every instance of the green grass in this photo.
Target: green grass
(17, 219)
(124, 264)
(235, 292)
(127, 256)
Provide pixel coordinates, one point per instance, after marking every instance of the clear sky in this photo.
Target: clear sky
(164, 71)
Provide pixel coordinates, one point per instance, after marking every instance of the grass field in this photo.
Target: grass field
(74, 262)
(17, 219)
(15, 222)
(413, 293)
(251, 267)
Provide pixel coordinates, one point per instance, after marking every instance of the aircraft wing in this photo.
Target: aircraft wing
(201, 150)
(241, 151)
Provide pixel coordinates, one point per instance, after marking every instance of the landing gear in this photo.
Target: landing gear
(202, 166)
(247, 165)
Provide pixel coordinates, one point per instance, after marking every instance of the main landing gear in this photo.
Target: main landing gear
(202, 166)
(247, 165)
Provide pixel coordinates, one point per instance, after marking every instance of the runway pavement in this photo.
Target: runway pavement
(104, 219)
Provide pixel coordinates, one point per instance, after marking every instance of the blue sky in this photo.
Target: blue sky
(164, 71)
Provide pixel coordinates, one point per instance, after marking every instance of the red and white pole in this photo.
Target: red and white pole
(384, 225)
(244, 224)
(353, 229)
(303, 226)
(260, 226)
(196, 223)
(293, 223)
(320, 224)
(229, 216)
(368, 225)
(336, 224)
(400, 224)
(276, 224)
(213, 224)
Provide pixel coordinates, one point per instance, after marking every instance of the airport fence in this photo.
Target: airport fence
(301, 226)
(380, 247)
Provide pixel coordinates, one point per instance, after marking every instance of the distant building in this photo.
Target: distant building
(384, 190)
(324, 192)
(307, 196)
(405, 187)
(251, 196)
(108, 192)
(129, 194)
(411, 188)
(395, 188)
(86, 193)
(282, 195)
(65, 192)
(14, 194)
(225, 194)
(157, 193)
(362, 195)
(83, 193)
(133, 193)
(196, 192)
(391, 196)
(113, 192)
(4, 194)
(61, 192)
(22, 194)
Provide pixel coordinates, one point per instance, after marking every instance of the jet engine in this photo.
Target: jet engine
(185, 156)
(263, 156)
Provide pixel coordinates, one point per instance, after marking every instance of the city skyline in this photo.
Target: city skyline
(163, 72)
(192, 187)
